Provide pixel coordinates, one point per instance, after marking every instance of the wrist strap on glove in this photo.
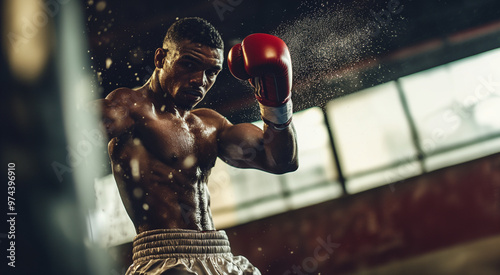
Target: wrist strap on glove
(277, 117)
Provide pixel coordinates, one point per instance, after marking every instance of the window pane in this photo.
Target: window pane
(250, 185)
(456, 105)
(477, 87)
(316, 179)
(110, 224)
(323, 192)
(370, 129)
(222, 198)
(237, 193)
(430, 99)
(463, 154)
(403, 170)
(261, 209)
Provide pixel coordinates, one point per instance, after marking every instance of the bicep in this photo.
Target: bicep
(242, 146)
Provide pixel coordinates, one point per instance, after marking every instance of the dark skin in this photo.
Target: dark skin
(162, 150)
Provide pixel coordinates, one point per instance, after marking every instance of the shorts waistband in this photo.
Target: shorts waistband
(167, 243)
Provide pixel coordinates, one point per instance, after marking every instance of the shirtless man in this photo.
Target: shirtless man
(162, 150)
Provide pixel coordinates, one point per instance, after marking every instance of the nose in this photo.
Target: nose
(198, 79)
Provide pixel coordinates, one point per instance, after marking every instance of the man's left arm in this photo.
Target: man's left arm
(265, 61)
(247, 146)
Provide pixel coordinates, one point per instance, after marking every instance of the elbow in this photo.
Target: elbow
(293, 166)
(287, 168)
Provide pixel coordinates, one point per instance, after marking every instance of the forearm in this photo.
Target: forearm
(281, 149)
(265, 60)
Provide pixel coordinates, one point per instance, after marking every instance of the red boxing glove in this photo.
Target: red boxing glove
(265, 61)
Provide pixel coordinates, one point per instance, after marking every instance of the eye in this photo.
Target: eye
(187, 65)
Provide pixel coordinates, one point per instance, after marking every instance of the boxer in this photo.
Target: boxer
(162, 149)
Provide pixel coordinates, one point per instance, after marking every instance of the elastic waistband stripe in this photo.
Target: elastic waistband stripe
(163, 243)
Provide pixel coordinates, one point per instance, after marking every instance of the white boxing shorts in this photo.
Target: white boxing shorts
(180, 251)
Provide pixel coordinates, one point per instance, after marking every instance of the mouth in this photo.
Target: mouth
(194, 93)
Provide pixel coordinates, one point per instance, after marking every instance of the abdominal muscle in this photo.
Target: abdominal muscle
(158, 194)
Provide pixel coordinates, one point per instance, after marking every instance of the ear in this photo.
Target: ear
(160, 55)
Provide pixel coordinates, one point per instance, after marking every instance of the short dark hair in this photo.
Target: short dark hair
(196, 30)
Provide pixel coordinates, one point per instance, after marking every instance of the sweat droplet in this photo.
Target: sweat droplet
(101, 5)
(138, 193)
(134, 167)
(108, 62)
(189, 161)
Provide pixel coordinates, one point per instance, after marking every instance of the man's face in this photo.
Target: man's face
(187, 71)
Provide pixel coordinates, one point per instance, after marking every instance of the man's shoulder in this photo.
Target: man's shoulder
(126, 95)
(210, 116)
(206, 112)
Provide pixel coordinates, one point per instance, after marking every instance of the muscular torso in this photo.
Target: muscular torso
(162, 166)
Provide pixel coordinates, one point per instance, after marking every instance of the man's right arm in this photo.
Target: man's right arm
(115, 111)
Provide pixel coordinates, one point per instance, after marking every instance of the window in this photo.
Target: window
(372, 137)
(456, 109)
(241, 195)
(109, 224)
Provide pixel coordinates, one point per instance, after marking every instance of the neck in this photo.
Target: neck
(162, 98)
(153, 83)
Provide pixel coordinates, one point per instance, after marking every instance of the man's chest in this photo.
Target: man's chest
(187, 142)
